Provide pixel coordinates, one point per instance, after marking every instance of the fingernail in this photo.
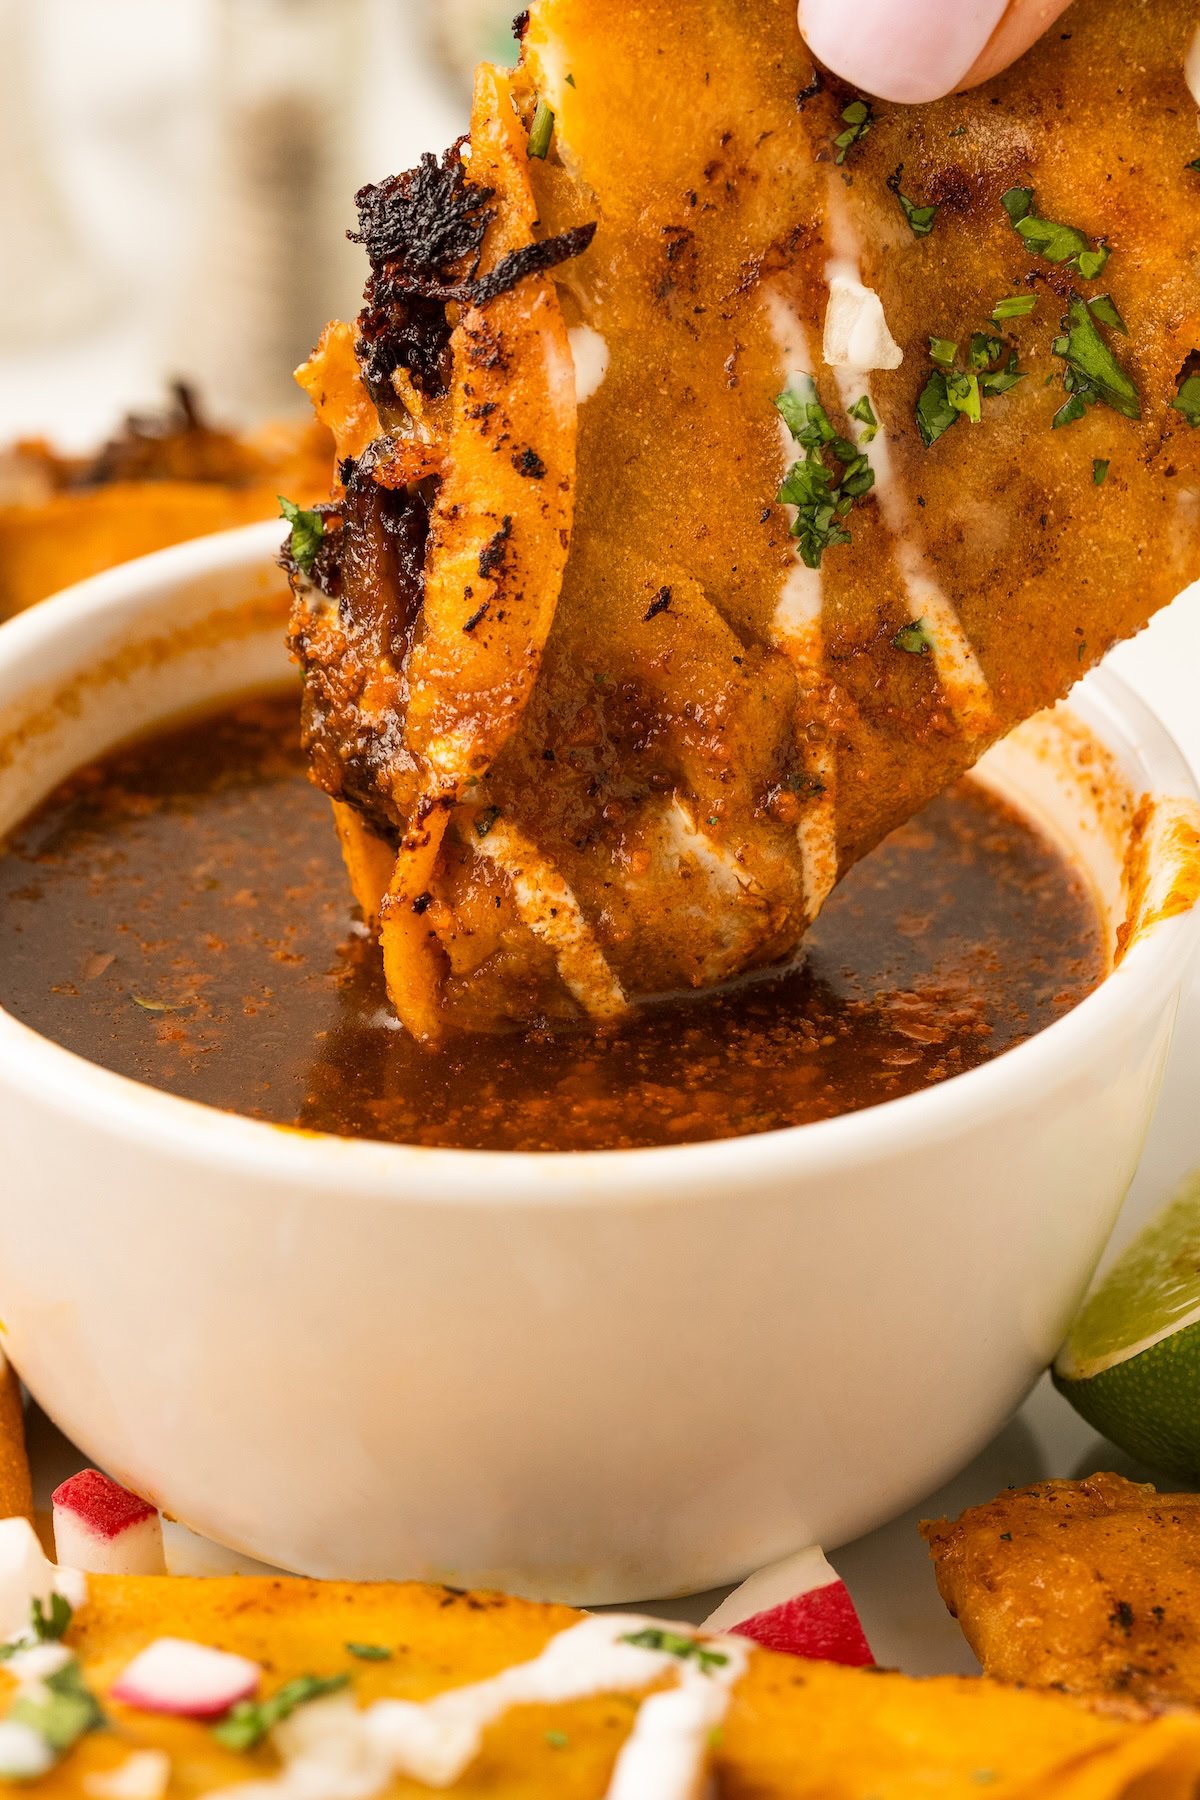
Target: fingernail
(908, 50)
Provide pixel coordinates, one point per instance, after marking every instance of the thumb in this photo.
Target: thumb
(915, 50)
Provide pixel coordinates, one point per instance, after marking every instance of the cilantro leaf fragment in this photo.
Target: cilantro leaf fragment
(951, 391)
(914, 638)
(248, 1723)
(983, 349)
(858, 121)
(45, 1627)
(1104, 308)
(962, 392)
(370, 1652)
(557, 1740)
(308, 528)
(1057, 243)
(61, 1710)
(864, 412)
(1093, 375)
(822, 496)
(49, 1626)
(934, 411)
(541, 131)
(1014, 306)
(920, 218)
(676, 1643)
(1099, 470)
(1187, 400)
(998, 381)
(1194, 165)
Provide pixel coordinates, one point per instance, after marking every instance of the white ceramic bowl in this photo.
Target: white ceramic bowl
(594, 1377)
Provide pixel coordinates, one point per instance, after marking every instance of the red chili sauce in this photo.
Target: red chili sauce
(179, 912)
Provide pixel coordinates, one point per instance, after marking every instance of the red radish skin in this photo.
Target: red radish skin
(191, 1681)
(103, 1528)
(799, 1606)
(104, 1506)
(822, 1624)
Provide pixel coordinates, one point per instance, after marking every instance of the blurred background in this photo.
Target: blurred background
(176, 179)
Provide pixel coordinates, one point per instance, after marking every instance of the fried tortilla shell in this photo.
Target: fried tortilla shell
(793, 1729)
(16, 1487)
(1091, 1586)
(621, 674)
(162, 480)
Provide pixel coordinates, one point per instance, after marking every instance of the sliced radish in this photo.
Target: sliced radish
(100, 1526)
(24, 1753)
(173, 1675)
(799, 1606)
(26, 1576)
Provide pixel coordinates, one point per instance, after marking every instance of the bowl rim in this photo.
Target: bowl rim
(232, 1145)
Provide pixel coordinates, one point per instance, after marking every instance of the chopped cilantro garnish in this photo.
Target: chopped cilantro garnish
(914, 638)
(557, 1740)
(61, 1710)
(920, 218)
(821, 495)
(983, 349)
(49, 1626)
(804, 416)
(957, 131)
(1194, 165)
(308, 528)
(1187, 400)
(45, 1627)
(934, 411)
(962, 392)
(370, 1652)
(857, 119)
(541, 131)
(248, 1723)
(1099, 470)
(1093, 374)
(675, 1643)
(1104, 308)
(1057, 243)
(570, 79)
(863, 411)
(1014, 306)
(998, 381)
(950, 390)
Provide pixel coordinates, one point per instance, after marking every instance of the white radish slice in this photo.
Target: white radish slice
(799, 1606)
(26, 1576)
(24, 1753)
(103, 1528)
(194, 1681)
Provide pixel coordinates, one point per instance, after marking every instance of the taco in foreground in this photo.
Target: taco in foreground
(609, 1705)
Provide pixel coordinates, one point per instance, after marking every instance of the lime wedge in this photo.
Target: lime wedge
(1131, 1364)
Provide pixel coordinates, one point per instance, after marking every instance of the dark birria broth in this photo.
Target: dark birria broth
(178, 912)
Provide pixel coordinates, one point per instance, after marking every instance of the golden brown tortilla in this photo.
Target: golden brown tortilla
(568, 679)
(1092, 1586)
(795, 1729)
